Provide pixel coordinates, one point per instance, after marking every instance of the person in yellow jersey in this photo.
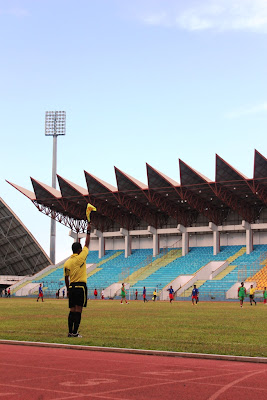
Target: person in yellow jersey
(76, 279)
(251, 295)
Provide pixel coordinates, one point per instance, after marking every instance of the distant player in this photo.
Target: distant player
(136, 294)
(194, 295)
(241, 293)
(144, 295)
(8, 292)
(265, 296)
(102, 295)
(95, 294)
(40, 293)
(154, 295)
(123, 294)
(251, 295)
(63, 293)
(171, 294)
(75, 280)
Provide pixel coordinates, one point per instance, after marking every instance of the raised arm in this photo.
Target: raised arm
(87, 239)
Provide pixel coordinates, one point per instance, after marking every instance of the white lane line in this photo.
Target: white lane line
(229, 385)
(38, 388)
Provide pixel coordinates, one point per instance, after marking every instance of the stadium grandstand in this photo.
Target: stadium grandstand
(20, 254)
(209, 233)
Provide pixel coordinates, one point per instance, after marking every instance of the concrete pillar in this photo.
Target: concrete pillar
(216, 243)
(101, 246)
(185, 239)
(127, 242)
(249, 237)
(127, 246)
(216, 238)
(101, 243)
(74, 236)
(153, 230)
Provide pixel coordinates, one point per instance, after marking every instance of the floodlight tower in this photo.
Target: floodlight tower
(55, 125)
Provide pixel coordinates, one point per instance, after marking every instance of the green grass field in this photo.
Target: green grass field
(221, 328)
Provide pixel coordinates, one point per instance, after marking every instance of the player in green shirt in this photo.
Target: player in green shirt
(123, 294)
(241, 293)
(265, 295)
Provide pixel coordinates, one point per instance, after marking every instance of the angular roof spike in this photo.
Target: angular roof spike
(169, 180)
(134, 181)
(54, 192)
(260, 166)
(100, 182)
(24, 191)
(190, 176)
(225, 172)
(79, 189)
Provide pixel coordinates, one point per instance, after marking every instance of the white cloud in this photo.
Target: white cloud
(217, 15)
(260, 108)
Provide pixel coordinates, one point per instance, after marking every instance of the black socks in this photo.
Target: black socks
(74, 320)
(77, 320)
(71, 321)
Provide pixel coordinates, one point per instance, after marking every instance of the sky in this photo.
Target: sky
(140, 81)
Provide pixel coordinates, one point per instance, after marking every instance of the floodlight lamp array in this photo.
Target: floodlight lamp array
(55, 123)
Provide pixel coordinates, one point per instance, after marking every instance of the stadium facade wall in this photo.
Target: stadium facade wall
(195, 240)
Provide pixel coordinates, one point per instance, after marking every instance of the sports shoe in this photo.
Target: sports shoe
(76, 335)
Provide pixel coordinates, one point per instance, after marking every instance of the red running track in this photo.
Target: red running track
(38, 373)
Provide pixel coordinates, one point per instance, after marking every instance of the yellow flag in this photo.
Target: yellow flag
(89, 208)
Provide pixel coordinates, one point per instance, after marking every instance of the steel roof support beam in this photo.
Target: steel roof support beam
(259, 190)
(72, 223)
(142, 212)
(114, 214)
(16, 252)
(77, 222)
(235, 203)
(175, 212)
(201, 206)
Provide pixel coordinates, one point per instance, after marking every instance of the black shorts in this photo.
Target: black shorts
(77, 294)
(251, 296)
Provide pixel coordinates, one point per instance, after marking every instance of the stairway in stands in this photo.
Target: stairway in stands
(187, 292)
(149, 269)
(260, 277)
